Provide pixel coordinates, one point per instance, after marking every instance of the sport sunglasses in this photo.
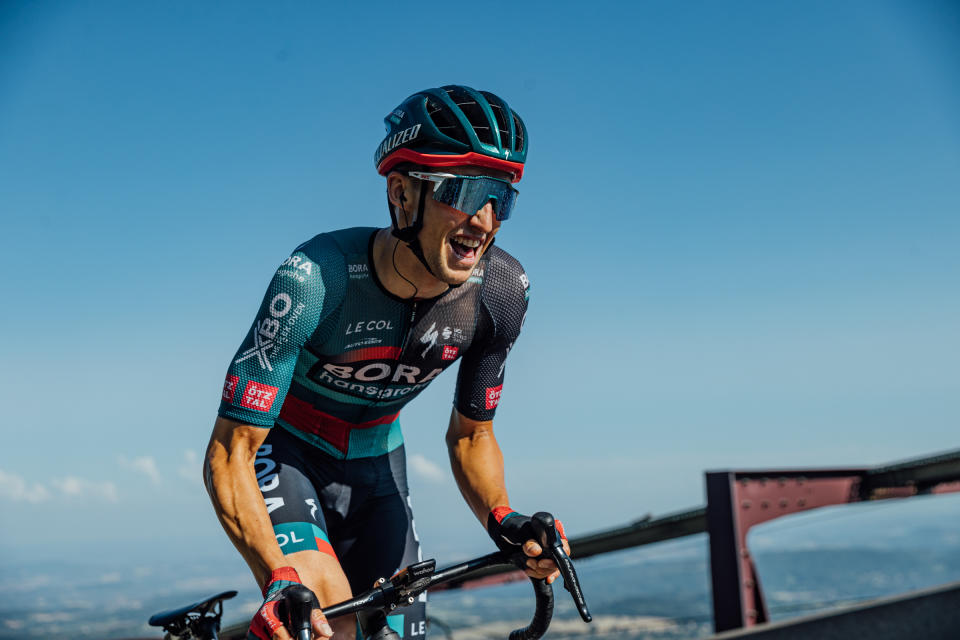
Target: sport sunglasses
(469, 194)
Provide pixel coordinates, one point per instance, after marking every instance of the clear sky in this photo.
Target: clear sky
(740, 220)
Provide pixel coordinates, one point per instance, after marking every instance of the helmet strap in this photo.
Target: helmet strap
(411, 233)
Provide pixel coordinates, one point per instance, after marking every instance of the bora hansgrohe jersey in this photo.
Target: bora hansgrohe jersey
(332, 356)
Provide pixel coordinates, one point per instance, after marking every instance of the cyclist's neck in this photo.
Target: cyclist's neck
(399, 270)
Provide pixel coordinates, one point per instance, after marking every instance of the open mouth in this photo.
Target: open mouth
(465, 248)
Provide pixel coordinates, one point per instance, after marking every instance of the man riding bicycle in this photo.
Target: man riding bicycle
(355, 323)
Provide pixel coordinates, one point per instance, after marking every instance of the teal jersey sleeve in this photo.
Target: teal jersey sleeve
(301, 294)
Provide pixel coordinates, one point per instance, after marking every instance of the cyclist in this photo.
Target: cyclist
(355, 323)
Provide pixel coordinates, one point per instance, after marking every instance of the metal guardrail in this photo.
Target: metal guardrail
(770, 493)
(738, 500)
(931, 614)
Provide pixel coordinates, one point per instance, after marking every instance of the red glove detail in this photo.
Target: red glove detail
(287, 574)
(267, 618)
(500, 512)
(560, 528)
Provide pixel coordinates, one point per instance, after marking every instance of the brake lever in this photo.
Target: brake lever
(299, 602)
(546, 529)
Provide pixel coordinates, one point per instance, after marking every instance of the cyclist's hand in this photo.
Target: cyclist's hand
(512, 532)
(267, 623)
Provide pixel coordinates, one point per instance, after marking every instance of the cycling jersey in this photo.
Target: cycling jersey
(333, 356)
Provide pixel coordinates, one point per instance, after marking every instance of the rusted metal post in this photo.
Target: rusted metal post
(728, 574)
(738, 500)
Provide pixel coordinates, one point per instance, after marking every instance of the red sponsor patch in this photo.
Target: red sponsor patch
(258, 397)
(493, 396)
(230, 387)
(449, 353)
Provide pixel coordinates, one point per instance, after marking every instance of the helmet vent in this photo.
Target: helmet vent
(474, 113)
(500, 116)
(518, 127)
(446, 122)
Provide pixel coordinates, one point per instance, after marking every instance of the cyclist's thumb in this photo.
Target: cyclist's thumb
(320, 625)
(532, 549)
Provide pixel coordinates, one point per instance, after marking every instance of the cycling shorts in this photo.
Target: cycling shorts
(355, 510)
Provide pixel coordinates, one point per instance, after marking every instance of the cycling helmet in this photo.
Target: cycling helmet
(454, 125)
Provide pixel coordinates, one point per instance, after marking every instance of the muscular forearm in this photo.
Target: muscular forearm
(231, 481)
(477, 464)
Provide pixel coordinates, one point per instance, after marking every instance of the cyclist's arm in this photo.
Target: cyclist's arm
(474, 453)
(229, 476)
(302, 292)
(477, 464)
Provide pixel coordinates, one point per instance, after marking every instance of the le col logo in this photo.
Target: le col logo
(266, 331)
(372, 325)
(525, 281)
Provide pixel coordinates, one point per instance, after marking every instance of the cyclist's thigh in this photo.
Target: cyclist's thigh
(379, 540)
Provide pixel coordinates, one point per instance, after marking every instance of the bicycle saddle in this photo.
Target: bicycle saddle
(202, 607)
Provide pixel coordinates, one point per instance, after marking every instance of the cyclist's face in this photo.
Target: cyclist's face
(452, 241)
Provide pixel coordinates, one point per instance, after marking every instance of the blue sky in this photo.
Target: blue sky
(740, 221)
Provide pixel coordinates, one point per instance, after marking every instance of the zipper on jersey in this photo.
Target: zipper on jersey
(411, 323)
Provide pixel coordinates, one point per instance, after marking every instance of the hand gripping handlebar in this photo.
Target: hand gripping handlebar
(299, 603)
(403, 588)
(546, 529)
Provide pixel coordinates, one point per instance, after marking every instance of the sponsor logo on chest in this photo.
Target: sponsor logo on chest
(448, 334)
(369, 325)
(374, 371)
(360, 270)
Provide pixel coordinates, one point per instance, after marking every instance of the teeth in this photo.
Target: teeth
(468, 242)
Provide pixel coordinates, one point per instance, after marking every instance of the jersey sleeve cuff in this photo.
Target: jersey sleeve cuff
(246, 416)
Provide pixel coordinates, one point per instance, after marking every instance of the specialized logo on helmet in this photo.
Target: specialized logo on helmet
(392, 142)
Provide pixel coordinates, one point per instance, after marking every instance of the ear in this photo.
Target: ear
(399, 189)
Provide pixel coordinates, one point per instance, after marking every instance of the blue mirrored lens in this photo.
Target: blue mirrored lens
(469, 194)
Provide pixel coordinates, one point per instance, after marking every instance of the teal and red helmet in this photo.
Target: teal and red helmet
(454, 125)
